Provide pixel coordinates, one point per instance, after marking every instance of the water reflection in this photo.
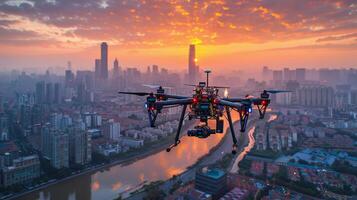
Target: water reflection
(117, 179)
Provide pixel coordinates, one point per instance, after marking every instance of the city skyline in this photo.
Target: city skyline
(279, 33)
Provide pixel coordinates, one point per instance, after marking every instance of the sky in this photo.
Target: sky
(229, 34)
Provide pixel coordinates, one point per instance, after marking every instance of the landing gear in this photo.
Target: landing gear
(177, 138)
(234, 148)
(172, 146)
(243, 115)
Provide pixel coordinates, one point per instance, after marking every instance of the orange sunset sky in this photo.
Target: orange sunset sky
(230, 34)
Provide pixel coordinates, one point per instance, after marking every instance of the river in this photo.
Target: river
(107, 184)
(249, 147)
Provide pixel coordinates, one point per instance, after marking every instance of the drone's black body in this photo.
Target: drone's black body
(205, 104)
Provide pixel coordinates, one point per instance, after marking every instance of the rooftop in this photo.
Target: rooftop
(214, 173)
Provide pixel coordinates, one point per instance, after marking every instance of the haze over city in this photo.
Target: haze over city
(229, 35)
(178, 99)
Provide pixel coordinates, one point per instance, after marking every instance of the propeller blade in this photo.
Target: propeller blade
(135, 93)
(155, 86)
(224, 87)
(248, 96)
(277, 91)
(190, 85)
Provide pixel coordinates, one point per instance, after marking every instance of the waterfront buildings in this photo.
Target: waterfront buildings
(80, 146)
(23, 170)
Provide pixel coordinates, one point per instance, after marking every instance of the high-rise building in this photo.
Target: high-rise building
(69, 78)
(57, 95)
(104, 60)
(300, 74)
(55, 146)
(49, 93)
(97, 69)
(315, 96)
(80, 146)
(289, 75)
(116, 69)
(40, 92)
(112, 130)
(192, 65)
(155, 69)
(277, 78)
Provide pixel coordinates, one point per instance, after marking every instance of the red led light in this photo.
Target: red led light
(264, 102)
(216, 101)
(152, 108)
(194, 100)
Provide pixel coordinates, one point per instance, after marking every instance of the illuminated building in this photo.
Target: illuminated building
(192, 65)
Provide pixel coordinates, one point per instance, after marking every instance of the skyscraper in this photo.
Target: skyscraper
(104, 60)
(98, 71)
(69, 78)
(57, 97)
(40, 92)
(192, 66)
(116, 69)
(49, 93)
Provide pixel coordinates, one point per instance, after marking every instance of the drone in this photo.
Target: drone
(205, 104)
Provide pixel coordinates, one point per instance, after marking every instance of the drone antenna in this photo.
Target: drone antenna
(207, 71)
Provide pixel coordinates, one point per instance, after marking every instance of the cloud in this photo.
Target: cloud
(142, 23)
(338, 37)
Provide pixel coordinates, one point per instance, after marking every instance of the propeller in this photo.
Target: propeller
(223, 87)
(219, 87)
(276, 91)
(248, 96)
(136, 93)
(156, 86)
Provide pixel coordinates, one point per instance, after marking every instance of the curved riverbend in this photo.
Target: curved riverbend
(108, 184)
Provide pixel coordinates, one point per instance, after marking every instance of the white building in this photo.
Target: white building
(132, 143)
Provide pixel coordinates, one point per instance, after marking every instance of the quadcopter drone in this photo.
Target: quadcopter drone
(205, 104)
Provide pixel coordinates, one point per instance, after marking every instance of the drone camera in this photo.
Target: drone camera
(201, 132)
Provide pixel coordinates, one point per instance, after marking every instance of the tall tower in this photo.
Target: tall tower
(98, 71)
(192, 68)
(104, 60)
(116, 68)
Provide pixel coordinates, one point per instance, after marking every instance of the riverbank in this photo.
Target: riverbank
(128, 159)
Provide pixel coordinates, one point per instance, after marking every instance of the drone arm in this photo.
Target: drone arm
(169, 96)
(230, 104)
(233, 99)
(242, 109)
(161, 104)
